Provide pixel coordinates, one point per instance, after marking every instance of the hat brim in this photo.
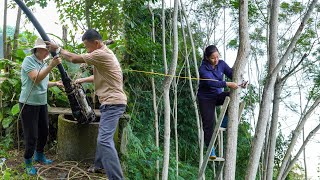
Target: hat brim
(39, 46)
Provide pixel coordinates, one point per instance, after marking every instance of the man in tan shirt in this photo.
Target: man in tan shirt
(108, 82)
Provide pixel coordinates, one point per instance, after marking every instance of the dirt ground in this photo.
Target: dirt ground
(57, 170)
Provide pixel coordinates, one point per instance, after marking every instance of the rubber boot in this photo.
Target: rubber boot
(224, 123)
(40, 157)
(212, 154)
(30, 169)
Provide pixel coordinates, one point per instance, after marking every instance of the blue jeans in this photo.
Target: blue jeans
(106, 154)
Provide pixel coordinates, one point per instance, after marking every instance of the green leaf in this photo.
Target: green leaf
(15, 109)
(2, 64)
(6, 122)
(7, 174)
(56, 91)
(284, 5)
(14, 82)
(20, 54)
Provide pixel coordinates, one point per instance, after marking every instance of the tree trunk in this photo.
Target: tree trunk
(295, 38)
(302, 148)
(194, 54)
(87, 13)
(164, 51)
(224, 32)
(266, 150)
(266, 101)
(16, 35)
(166, 152)
(238, 68)
(166, 89)
(193, 96)
(65, 34)
(156, 122)
(8, 52)
(295, 136)
(265, 154)
(4, 30)
(154, 96)
(273, 130)
(305, 160)
(274, 121)
(260, 129)
(273, 36)
(175, 84)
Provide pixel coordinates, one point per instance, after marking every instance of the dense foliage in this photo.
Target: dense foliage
(129, 23)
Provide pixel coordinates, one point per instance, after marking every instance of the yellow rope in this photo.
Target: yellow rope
(71, 168)
(167, 75)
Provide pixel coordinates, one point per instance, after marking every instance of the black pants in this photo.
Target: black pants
(207, 111)
(35, 125)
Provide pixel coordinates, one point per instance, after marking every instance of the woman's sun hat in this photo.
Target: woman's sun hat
(39, 44)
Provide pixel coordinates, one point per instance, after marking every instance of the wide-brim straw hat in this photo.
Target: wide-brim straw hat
(39, 44)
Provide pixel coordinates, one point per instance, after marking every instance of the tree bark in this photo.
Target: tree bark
(305, 160)
(233, 115)
(295, 38)
(65, 34)
(295, 136)
(264, 163)
(302, 148)
(166, 89)
(273, 36)
(175, 84)
(273, 130)
(266, 101)
(193, 93)
(4, 30)
(156, 123)
(8, 52)
(154, 96)
(267, 39)
(194, 54)
(87, 14)
(166, 142)
(193, 96)
(274, 120)
(163, 20)
(16, 35)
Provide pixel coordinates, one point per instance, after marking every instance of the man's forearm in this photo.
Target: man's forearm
(88, 79)
(51, 84)
(71, 57)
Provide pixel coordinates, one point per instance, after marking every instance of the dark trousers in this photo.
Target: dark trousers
(35, 125)
(207, 111)
(106, 153)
